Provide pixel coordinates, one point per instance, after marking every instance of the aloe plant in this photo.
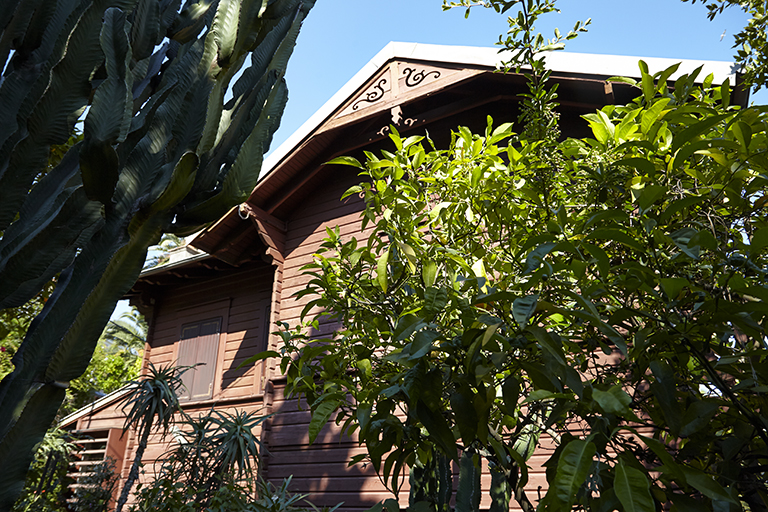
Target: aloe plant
(181, 102)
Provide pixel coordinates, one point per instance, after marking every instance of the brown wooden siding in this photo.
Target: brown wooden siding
(306, 231)
(240, 298)
(243, 298)
(320, 470)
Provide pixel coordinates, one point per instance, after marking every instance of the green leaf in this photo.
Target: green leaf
(664, 390)
(622, 80)
(464, 414)
(572, 470)
(616, 235)
(381, 270)
(686, 151)
(536, 256)
(651, 115)
(422, 343)
(601, 258)
(429, 273)
(673, 286)
(321, 413)
(407, 325)
(696, 129)
(356, 189)
(510, 391)
(523, 309)
(683, 503)
(678, 205)
(641, 164)
(664, 75)
(759, 241)
(538, 394)
(725, 92)
(435, 300)
(410, 255)
(670, 467)
(364, 365)
(681, 238)
(743, 134)
(392, 505)
(649, 195)
(548, 343)
(697, 416)
(614, 401)
(633, 489)
(705, 239)
(706, 485)
(648, 87)
(438, 429)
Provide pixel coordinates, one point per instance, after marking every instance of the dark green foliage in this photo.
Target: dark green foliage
(151, 405)
(96, 492)
(212, 469)
(171, 140)
(751, 43)
(46, 485)
(115, 362)
(217, 451)
(607, 293)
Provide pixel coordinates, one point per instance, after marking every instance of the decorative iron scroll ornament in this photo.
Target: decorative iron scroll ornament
(412, 79)
(372, 97)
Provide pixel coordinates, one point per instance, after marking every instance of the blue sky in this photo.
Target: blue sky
(340, 36)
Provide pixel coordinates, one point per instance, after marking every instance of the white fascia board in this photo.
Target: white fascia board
(381, 58)
(621, 65)
(98, 404)
(562, 62)
(179, 261)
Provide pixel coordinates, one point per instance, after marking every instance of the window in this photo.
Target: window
(199, 344)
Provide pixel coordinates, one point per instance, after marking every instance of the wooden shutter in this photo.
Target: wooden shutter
(199, 344)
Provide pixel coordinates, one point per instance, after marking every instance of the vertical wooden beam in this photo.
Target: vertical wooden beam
(608, 88)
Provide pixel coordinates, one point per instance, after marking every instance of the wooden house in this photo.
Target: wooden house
(217, 300)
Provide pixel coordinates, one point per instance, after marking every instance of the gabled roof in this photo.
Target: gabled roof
(577, 64)
(417, 87)
(109, 399)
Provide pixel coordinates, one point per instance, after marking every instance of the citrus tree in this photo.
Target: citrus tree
(606, 295)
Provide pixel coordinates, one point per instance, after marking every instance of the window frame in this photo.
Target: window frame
(189, 354)
(201, 313)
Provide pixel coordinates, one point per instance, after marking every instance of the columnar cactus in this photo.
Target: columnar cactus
(180, 102)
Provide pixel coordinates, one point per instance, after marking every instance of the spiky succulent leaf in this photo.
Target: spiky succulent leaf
(240, 179)
(145, 28)
(28, 430)
(181, 183)
(30, 255)
(114, 194)
(109, 117)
